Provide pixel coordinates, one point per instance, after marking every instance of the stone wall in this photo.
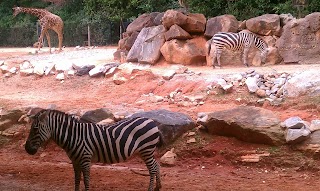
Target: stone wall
(183, 39)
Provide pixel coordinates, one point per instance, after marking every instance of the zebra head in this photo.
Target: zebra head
(39, 133)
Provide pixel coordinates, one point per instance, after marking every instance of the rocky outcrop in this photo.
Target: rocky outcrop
(268, 24)
(300, 40)
(223, 23)
(146, 48)
(246, 123)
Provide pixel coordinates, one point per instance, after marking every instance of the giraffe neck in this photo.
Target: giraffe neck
(36, 12)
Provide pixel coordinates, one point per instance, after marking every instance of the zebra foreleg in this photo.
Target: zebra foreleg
(77, 176)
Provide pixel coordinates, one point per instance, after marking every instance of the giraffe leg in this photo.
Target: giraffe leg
(60, 37)
(59, 32)
(48, 39)
(40, 39)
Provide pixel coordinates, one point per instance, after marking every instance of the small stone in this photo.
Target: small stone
(191, 134)
(13, 70)
(118, 79)
(60, 76)
(168, 75)
(169, 158)
(26, 72)
(261, 93)
(192, 140)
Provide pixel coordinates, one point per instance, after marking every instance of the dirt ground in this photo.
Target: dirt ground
(212, 163)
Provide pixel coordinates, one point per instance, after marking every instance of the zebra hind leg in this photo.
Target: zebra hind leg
(158, 179)
(218, 55)
(154, 170)
(85, 168)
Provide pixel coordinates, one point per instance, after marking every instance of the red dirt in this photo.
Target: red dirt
(213, 163)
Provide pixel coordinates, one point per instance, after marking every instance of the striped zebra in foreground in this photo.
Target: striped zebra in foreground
(88, 142)
(241, 41)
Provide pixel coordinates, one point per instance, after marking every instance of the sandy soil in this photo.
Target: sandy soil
(213, 163)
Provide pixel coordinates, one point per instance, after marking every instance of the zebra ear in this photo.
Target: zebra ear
(33, 112)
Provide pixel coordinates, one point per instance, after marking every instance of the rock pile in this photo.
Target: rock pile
(181, 39)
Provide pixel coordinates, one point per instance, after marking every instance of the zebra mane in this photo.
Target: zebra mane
(72, 117)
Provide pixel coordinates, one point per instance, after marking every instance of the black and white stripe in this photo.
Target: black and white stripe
(241, 41)
(89, 142)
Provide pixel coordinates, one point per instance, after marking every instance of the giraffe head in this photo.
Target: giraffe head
(16, 10)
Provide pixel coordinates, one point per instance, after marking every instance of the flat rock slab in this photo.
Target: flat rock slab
(247, 123)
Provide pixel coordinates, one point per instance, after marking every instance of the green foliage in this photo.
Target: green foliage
(104, 15)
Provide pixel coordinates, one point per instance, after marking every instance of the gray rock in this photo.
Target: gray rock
(315, 125)
(171, 124)
(97, 115)
(294, 136)
(291, 123)
(304, 83)
(249, 124)
(168, 75)
(251, 83)
(146, 48)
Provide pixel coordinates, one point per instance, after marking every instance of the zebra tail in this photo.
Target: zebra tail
(161, 142)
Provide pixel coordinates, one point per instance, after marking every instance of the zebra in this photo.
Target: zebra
(241, 41)
(89, 142)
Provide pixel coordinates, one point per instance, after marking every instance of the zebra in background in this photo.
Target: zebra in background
(88, 142)
(241, 41)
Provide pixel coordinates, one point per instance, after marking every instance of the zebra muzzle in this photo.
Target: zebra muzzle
(30, 149)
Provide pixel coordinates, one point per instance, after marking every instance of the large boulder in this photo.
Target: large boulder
(129, 41)
(303, 83)
(300, 40)
(97, 115)
(223, 23)
(192, 23)
(246, 123)
(268, 24)
(144, 20)
(146, 48)
(171, 124)
(176, 32)
(189, 52)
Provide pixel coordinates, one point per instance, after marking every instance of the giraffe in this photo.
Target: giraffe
(184, 4)
(47, 21)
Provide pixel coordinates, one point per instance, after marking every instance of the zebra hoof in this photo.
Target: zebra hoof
(217, 67)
